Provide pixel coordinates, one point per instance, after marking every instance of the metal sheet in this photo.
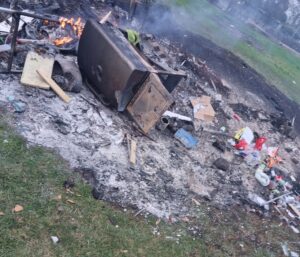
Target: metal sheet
(150, 102)
(111, 65)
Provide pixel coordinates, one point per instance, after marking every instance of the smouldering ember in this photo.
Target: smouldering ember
(75, 26)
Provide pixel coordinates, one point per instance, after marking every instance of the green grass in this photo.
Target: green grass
(277, 64)
(33, 177)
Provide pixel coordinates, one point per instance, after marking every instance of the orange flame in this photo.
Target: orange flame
(76, 26)
(62, 41)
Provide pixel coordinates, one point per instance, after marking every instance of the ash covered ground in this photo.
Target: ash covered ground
(167, 177)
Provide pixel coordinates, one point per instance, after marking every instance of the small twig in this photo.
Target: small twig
(94, 105)
(276, 198)
(105, 18)
(293, 121)
(213, 84)
(139, 212)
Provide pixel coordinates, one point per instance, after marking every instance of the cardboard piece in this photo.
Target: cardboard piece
(203, 109)
(33, 63)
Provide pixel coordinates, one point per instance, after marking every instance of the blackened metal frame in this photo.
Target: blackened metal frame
(16, 15)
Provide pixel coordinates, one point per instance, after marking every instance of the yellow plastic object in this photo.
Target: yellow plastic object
(238, 134)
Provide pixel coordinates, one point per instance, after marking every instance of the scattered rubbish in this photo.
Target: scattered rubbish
(216, 133)
(245, 134)
(18, 208)
(263, 178)
(237, 117)
(186, 138)
(279, 197)
(5, 48)
(34, 62)
(203, 109)
(54, 239)
(258, 200)
(133, 37)
(1, 213)
(218, 97)
(177, 116)
(295, 230)
(285, 249)
(163, 123)
(54, 86)
(294, 254)
(294, 209)
(223, 129)
(273, 158)
(253, 158)
(287, 252)
(70, 201)
(222, 164)
(291, 214)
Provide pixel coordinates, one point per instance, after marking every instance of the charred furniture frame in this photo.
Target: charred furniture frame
(16, 15)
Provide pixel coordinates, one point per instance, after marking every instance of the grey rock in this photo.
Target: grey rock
(222, 164)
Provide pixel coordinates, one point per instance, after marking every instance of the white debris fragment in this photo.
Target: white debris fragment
(295, 229)
(54, 239)
(175, 115)
(294, 254)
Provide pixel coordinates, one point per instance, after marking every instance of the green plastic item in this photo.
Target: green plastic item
(133, 36)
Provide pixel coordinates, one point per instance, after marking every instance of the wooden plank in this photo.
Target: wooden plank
(34, 62)
(133, 147)
(294, 209)
(54, 86)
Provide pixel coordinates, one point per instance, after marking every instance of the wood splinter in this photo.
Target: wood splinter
(56, 88)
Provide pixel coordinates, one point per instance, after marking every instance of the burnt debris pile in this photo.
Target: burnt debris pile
(149, 124)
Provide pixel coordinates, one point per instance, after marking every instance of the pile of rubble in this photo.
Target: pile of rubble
(174, 146)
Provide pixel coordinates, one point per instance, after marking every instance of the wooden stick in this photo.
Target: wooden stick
(276, 198)
(105, 18)
(294, 209)
(56, 88)
(32, 41)
(213, 84)
(133, 147)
